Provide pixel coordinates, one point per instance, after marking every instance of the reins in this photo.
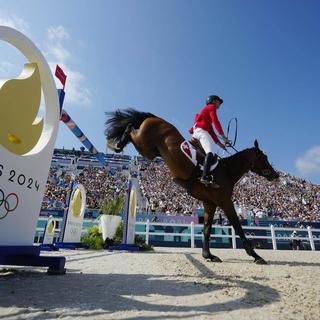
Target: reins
(230, 146)
(235, 134)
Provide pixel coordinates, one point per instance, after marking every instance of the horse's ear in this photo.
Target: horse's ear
(256, 144)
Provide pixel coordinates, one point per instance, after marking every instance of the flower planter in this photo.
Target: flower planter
(109, 225)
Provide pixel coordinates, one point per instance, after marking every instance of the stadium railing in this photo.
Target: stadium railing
(276, 233)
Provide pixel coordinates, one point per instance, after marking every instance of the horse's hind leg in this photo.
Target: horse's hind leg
(209, 210)
(231, 213)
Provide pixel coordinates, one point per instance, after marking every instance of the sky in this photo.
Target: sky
(166, 56)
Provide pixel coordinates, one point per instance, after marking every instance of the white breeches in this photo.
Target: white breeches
(205, 139)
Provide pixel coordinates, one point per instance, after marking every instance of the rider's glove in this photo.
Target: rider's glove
(226, 141)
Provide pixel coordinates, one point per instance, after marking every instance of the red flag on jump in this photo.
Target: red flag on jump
(61, 75)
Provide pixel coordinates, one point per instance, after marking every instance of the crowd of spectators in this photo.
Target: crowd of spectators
(56, 189)
(99, 183)
(289, 199)
(162, 194)
(254, 197)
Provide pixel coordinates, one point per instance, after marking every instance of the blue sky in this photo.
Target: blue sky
(166, 56)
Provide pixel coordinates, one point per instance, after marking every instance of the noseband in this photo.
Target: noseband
(264, 172)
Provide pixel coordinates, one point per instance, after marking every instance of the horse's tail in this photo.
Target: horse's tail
(117, 122)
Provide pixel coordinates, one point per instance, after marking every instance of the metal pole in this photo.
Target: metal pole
(313, 248)
(234, 241)
(192, 234)
(273, 235)
(147, 231)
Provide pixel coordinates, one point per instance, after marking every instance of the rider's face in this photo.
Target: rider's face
(217, 103)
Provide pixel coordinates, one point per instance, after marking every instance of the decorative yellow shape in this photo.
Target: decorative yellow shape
(51, 226)
(20, 128)
(132, 203)
(12, 138)
(76, 203)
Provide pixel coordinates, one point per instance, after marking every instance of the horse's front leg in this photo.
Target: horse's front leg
(123, 141)
(125, 138)
(209, 210)
(231, 213)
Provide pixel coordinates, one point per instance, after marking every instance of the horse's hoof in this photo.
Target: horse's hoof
(260, 261)
(111, 145)
(212, 258)
(215, 259)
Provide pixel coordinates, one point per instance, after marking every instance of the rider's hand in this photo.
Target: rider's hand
(222, 146)
(226, 141)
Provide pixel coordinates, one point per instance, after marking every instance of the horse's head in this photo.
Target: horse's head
(259, 163)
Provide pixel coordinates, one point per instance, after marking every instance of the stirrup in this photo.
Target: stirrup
(205, 181)
(210, 182)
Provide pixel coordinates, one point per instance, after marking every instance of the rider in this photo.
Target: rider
(203, 131)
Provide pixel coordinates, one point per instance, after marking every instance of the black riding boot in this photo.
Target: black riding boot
(206, 176)
(124, 139)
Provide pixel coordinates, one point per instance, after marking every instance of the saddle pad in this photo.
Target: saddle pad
(189, 151)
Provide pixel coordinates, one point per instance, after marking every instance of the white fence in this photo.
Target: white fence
(311, 238)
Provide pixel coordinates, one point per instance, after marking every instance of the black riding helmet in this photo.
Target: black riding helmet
(210, 99)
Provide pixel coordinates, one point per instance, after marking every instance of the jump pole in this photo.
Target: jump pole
(129, 221)
(70, 123)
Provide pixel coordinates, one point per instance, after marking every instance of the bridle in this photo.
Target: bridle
(263, 172)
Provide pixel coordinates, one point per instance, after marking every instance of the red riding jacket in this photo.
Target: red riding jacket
(204, 120)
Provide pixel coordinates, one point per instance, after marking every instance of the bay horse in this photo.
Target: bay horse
(153, 136)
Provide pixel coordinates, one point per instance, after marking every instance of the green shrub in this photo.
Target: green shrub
(93, 238)
(118, 235)
(139, 241)
(113, 206)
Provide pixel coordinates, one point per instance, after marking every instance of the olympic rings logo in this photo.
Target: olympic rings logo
(9, 202)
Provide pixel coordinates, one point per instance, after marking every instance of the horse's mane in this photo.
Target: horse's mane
(237, 154)
(118, 121)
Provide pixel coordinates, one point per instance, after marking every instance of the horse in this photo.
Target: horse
(153, 137)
